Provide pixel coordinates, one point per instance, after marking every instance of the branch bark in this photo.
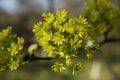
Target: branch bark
(32, 57)
(109, 40)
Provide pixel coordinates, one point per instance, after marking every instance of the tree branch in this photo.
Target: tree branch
(35, 58)
(109, 40)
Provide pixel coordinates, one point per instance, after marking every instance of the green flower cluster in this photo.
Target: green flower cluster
(61, 37)
(101, 14)
(11, 53)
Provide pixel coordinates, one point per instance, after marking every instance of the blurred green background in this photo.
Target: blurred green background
(23, 14)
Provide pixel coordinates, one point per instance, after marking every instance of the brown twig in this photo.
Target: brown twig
(109, 40)
(32, 57)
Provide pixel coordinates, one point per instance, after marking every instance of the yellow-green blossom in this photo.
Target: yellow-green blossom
(58, 39)
(58, 67)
